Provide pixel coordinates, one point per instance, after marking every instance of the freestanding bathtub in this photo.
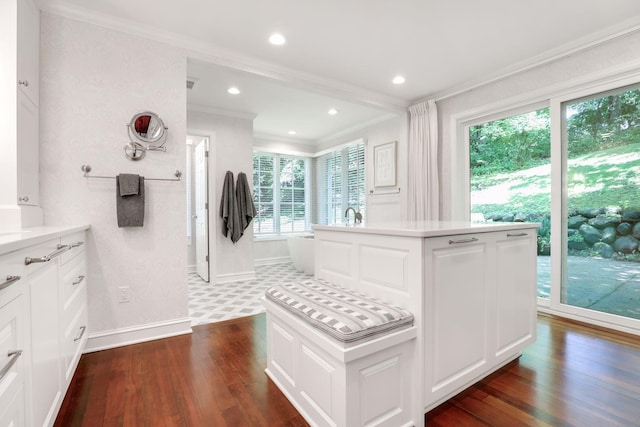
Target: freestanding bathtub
(302, 253)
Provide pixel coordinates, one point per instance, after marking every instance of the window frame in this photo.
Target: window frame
(276, 189)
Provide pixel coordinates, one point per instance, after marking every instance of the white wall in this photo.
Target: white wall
(230, 149)
(93, 80)
(533, 84)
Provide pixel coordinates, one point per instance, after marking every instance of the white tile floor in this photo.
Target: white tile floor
(210, 303)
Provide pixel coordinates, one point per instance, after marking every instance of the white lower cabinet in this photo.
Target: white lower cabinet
(44, 315)
(480, 306)
(12, 353)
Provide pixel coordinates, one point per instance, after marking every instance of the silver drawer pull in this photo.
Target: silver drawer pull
(47, 258)
(76, 244)
(517, 235)
(14, 358)
(9, 281)
(82, 329)
(456, 242)
(77, 282)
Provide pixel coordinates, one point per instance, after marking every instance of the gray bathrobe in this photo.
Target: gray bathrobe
(229, 210)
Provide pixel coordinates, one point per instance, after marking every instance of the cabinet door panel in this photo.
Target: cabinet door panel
(28, 152)
(45, 353)
(515, 293)
(29, 49)
(456, 315)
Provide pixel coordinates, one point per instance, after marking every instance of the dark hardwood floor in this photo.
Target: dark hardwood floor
(572, 376)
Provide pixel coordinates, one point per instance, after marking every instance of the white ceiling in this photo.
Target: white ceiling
(344, 53)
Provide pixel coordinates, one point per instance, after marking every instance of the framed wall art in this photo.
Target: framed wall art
(384, 157)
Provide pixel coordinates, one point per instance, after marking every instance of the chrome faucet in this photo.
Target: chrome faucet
(357, 216)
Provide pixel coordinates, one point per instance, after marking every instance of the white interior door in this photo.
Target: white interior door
(201, 209)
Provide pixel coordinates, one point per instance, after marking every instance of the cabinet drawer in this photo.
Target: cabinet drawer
(76, 302)
(11, 267)
(12, 318)
(77, 243)
(32, 257)
(74, 339)
(12, 412)
(73, 277)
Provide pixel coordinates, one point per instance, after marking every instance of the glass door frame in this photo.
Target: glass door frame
(559, 197)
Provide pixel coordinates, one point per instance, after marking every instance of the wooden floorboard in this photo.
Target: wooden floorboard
(574, 375)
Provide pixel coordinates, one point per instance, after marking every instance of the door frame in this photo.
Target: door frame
(211, 185)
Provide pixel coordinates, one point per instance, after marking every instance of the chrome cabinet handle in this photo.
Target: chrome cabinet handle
(80, 279)
(9, 281)
(456, 242)
(71, 246)
(61, 249)
(14, 358)
(517, 235)
(24, 83)
(82, 330)
(23, 199)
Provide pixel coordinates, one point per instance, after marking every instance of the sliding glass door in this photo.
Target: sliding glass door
(601, 203)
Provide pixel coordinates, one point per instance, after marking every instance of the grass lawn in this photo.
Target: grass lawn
(599, 179)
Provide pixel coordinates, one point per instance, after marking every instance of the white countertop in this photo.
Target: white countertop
(11, 241)
(427, 228)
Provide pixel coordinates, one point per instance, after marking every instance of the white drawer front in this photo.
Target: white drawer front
(76, 242)
(73, 276)
(74, 339)
(11, 346)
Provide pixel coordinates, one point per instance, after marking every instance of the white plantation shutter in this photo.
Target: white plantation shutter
(263, 183)
(340, 183)
(280, 193)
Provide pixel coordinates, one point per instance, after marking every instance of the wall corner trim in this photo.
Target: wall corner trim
(137, 334)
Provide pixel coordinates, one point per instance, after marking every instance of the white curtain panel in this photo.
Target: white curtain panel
(424, 187)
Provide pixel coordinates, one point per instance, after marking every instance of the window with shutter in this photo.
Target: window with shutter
(340, 183)
(279, 193)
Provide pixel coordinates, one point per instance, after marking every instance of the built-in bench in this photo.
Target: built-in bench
(340, 357)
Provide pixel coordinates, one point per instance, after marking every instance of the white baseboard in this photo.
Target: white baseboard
(192, 268)
(137, 334)
(272, 261)
(236, 277)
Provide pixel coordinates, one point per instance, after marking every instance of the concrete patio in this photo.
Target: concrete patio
(603, 285)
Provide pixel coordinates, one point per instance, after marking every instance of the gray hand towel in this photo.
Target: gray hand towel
(246, 208)
(229, 209)
(128, 184)
(130, 208)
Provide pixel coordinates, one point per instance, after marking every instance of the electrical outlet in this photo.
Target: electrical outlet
(123, 294)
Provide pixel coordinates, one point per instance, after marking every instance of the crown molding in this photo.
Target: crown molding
(270, 138)
(213, 54)
(360, 126)
(595, 39)
(221, 112)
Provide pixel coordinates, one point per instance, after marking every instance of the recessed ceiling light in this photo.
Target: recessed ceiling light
(332, 111)
(277, 39)
(292, 132)
(398, 80)
(233, 90)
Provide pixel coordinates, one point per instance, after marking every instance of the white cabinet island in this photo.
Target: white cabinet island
(470, 286)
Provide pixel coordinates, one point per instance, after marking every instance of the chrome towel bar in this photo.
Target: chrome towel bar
(87, 168)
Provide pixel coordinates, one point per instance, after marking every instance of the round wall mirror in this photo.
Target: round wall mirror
(147, 129)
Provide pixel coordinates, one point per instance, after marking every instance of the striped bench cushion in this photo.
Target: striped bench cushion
(343, 314)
